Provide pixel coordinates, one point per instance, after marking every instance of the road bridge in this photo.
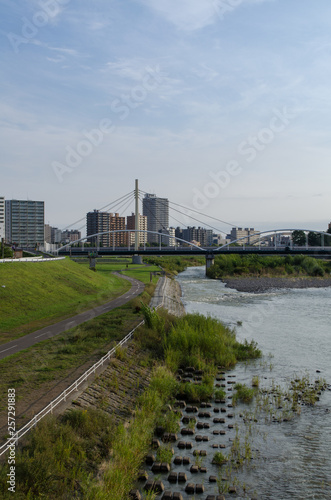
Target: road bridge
(263, 243)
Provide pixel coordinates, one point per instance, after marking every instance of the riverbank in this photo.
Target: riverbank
(253, 284)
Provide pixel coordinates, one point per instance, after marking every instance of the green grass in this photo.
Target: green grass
(36, 295)
(82, 455)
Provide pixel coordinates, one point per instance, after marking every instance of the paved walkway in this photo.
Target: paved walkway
(62, 326)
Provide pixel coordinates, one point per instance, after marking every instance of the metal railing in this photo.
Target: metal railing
(72, 388)
(63, 396)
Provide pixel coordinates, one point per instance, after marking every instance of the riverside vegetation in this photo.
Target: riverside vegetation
(82, 454)
(257, 265)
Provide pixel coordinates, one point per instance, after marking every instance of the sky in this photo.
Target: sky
(223, 106)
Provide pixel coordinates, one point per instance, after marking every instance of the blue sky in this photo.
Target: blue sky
(222, 105)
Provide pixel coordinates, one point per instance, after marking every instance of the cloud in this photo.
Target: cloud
(191, 15)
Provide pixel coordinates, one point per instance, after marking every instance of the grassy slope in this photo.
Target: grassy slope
(38, 294)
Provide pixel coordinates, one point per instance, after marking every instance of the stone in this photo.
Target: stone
(167, 495)
(206, 426)
(205, 438)
(156, 467)
(192, 409)
(178, 460)
(194, 469)
(212, 479)
(215, 445)
(155, 444)
(198, 438)
(181, 444)
(190, 488)
(158, 486)
(203, 470)
(180, 404)
(177, 496)
(188, 445)
(172, 478)
(186, 460)
(216, 410)
(216, 433)
(165, 467)
(199, 488)
(203, 453)
(185, 420)
(182, 477)
(135, 495)
(149, 485)
(142, 475)
(232, 490)
(150, 459)
(230, 426)
(200, 425)
(159, 431)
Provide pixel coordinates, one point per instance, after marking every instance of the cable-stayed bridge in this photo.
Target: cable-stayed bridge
(274, 241)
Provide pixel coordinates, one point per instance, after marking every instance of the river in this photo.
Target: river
(292, 327)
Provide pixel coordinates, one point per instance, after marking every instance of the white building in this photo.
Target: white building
(142, 226)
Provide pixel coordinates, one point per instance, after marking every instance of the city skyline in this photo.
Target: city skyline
(221, 106)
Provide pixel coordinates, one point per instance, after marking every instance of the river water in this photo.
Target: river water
(292, 459)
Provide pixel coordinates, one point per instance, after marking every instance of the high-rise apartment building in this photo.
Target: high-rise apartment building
(142, 226)
(104, 222)
(98, 222)
(198, 234)
(2, 217)
(157, 212)
(25, 222)
(246, 234)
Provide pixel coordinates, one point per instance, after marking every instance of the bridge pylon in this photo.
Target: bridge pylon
(210, 259)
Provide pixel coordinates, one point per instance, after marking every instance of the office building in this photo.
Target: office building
(25, 222)
(157, 212)
(2, 218)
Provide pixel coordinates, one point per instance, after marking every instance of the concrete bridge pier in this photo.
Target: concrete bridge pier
(137, 259)
(210, 259)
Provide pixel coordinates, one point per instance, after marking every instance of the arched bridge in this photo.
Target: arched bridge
(275, 241)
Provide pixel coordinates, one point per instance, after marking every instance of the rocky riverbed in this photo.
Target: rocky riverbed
(263, 284)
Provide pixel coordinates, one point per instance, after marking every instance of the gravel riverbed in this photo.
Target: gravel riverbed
(263, 284)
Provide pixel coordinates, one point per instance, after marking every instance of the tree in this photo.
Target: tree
(299, 238)
(314, 239)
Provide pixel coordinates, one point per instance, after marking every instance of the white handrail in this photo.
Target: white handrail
(63, 396)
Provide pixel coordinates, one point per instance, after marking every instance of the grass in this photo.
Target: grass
(82, 456)
(176, 264)
(243, 393)
(38, 294)
(36, 370)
